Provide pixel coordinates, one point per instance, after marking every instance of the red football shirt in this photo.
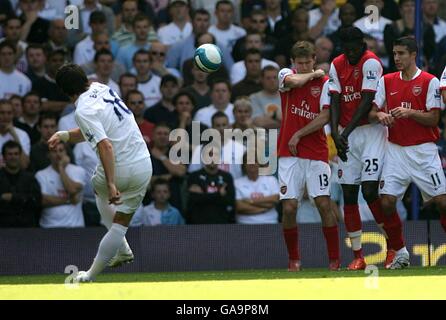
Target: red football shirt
(421, 93)
(300, 106)
(350, 80)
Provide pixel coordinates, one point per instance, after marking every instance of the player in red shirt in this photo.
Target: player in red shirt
(303, 150)
(361, 146)
(409, 103)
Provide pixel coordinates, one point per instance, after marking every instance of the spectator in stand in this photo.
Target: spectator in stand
(20, 198)
(211, 195)
(324, 49)
(12, 30)
(17, 82)
(135, 101)
(324, 20)
(58, 38)
(347, 16)
(256, 196)
(141, 26)
(9, 132)
(148, 83)
(61, 184)
(34, 28)
(266, 104)
(243, 115)
(36, 58)
(47, 126)
(103, 60)
(125, 35)
(127, 83)
(221, 101)
(199, 88)
(16, 102)
(86, 10)
(251, 82)
(390, 10)
(163, 167)
(160, 211)
(158, 52)
(180, 28)
(53, 99)
(430, 11)
(238, 70)
(209, 6)
(163, 111)
(224, 30)
(30, 117)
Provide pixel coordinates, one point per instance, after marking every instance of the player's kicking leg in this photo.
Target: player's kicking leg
(330, 230)
(108, 247)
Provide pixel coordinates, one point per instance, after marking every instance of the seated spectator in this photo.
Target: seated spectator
(266, 104)
(160, 211)
(47, 126)
(238, 70)
(62, 184)
(256, 196)
(87, 159)
(220, 97)
(36, 58)
(180, 27)
(324, 20)
(163, 110)
(34, 28)
(199, 88)
(103, 61)
(211, 195)
(163, 167)
(17, 82)
(158, 53)
(127, 83)
(16, 102)
(30, 117)
(12, 31)
(148, 83)
(251, 82)
(20, 198)
(231, 150)
(9, 132)
(135, 102)
(53, 99)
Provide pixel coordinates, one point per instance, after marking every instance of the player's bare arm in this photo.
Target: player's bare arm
(335, 114)
(300, 79)
(318, 123)
(363, 110)
(375, 115)
(443, 95)
(73, 136)
(428, 119)
(107, 157)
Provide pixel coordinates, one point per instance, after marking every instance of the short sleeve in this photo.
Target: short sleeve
(285, 72)
(334, 85)
(325, 96)
(274, 185)
(380, 96)
(238, 190)
(40, 177)
(91, 127)
(372, 72)
(443, 80)
(433, 98)
(78, 174)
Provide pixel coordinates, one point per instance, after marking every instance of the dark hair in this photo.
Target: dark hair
(220, 80)
(47, 115)
(71, 79)
(97, 17)
(181, 94)
(127, 97)
(222, 2)
(162, 124)
(160, 182)
(8, 44)
(102, 52)
(35, 46)
(201, 11)
(141, 17)
(252, 51)
(11, 144)
(409, 42)
(218, 114)
(10, 18)
(142, 51)
(268, 68)
(351, 35)
(127, 75)
(59, 52)
(257, 12)
(197, 37)
(31, 93)
(402, 2)
(168, 78)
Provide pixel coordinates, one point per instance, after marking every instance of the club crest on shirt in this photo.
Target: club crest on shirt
(283, 189)
(416, 90)
(315, 91)
(381, 184)
(356, 73)
(340, 173)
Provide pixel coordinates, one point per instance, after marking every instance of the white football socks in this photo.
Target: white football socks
(110, 243)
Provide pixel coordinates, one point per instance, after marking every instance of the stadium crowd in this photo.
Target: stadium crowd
(143, 50)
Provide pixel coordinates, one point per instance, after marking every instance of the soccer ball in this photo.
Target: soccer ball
(208, 57)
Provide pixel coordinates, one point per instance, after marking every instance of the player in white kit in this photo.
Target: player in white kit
(125, 169)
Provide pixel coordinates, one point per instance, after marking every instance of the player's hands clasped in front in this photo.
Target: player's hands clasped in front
(401, 113)
(292, 144)
(385, 119)
(114, 196)
(341, 143)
